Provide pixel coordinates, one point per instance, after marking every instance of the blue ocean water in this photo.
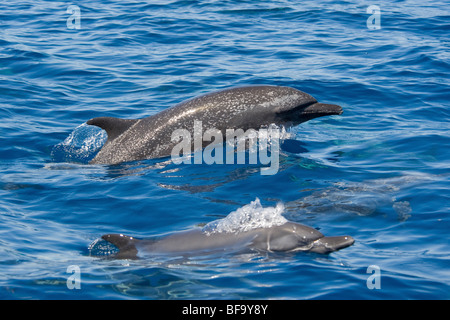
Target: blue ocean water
(379, 172)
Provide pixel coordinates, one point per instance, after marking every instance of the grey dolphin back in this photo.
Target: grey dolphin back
(284, 238)
(235, 108)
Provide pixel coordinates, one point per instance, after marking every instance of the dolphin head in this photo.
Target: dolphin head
(304, 107)
(297, 237)
(330, 244)
(267, 104)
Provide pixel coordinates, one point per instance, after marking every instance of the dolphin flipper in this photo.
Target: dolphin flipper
(114, 127)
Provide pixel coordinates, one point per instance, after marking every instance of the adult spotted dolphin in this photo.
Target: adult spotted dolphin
(236, 108)
(288, 237)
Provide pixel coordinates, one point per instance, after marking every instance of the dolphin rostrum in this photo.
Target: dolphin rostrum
(288, 237)
(238, 108)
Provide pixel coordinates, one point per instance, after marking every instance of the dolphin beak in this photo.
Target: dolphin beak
(330, 244)
(322, 109)
(309, 111)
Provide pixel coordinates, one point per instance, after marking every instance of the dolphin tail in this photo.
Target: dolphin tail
(114, 127)
(330, 244)
(125, 244)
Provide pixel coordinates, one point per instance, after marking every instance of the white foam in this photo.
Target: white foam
(248, 217)
(80, 145)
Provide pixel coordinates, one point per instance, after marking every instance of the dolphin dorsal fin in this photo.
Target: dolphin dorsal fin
(114, 127)
(125, 244)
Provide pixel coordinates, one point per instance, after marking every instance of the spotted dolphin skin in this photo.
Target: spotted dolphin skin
(237, 108)
(288, 237)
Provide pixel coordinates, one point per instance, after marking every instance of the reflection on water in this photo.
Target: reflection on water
(361, 198)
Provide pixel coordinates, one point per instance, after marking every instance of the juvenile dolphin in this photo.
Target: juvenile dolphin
(236, 108)
(288, 237)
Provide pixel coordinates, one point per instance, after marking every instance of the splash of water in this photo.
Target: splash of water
(81, 145)
(102, 248)
(248, 217)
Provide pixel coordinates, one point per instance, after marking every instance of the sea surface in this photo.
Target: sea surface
(380, 172)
